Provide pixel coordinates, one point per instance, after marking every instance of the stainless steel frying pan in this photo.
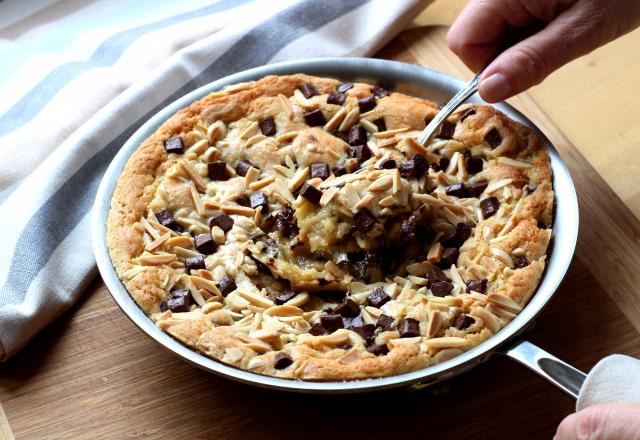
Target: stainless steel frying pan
(412, 80)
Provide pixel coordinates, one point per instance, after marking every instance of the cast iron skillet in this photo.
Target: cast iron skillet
(412, 80)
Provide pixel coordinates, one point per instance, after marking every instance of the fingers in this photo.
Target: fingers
(602, 422)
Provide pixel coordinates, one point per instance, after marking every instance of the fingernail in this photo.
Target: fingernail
(495, 88)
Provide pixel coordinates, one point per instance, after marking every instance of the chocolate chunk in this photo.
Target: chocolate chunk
(284, 296)
(336, 98)
(476, 189)
(447, 129)
(366, 331)
(205, 244)
(318, 330)
(457, 237)
(174, 145)
(520, 262)
(378, 349)
(434, 275)
(474, 164)
(477, 286)
(367, 268)
(442, 164)
(339, 171)
(218, 170)
(320, 170)
(408, 328)
(227, 285)
(357, 135)
(349, 308)
(310, 193)
(363, 221)
(449, 257)
(441, 288)
(380, 92)
(493, 138)
(367, 104)
(315, 118)
(384, 321)
(267, 126)
(282, 361)
(166, 219)
(342, 135)
(176, 305)
(331, 322)
(422, 164)
(360, 152)
(378, 298)
(342, 88)
(243, 201)
(463, 321)
(285, 222)
(223, 221)
(259, 199)
(194, 263)
(407, 230)
(489, 206)
(457, 190)
(465, 115)
(382, 126)
(177, 293)
(408, 169)
(388, 164)
(308, 90)
(242, 167)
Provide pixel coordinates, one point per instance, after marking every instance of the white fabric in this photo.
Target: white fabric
(79, 77)
(615, 379)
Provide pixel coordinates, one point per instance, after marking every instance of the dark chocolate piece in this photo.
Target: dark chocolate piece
(388, 164)
(342, 88)
(442, 165)
(218, 170)
(493, 138)
(457, 190)
(166, 219)
(284, 296)
(331, 322)
(227, 285)
(308, 90)
(285, 222)
(363, 221)
(366, 331)
(223, 221)
(441, 288)
(434, 275)
(339, 171)
(177, 293)
(489, 206)
(242, 168)
(384, 321)
(357, 135)
(378, 349)
(336, 98)
(259, 199)
(194, 263)
(205, 244)
(476, 189)
(380, 92)
(463, 321)
(520, 262)
(315, 118)
(267, 126)
(447, 129)
(382, 126)
(465, 115)
(360, 152)
(320, 170)
(367, 104)
(342, 135)
(176, 305)
(174, 145)
(457, 237)
(422, 164)
(449, 257)
(378, 298)
(408, 328)
(310, 193)
(477, 286)
(282, 361)
(474, 164)
(349, 308)
(408, 169)
(318, 330)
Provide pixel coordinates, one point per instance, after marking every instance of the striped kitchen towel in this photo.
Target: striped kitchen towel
(79, 77)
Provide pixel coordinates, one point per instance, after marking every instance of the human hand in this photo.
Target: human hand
(602, 422)
(572, 28)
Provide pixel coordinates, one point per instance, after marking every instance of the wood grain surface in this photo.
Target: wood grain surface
(93, 374)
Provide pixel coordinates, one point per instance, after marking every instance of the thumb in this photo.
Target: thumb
(602, 422)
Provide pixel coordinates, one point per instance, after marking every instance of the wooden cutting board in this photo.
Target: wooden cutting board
(93, 374)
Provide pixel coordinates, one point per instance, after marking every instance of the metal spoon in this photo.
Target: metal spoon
(430, 130)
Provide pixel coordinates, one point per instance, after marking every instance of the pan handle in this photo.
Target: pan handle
(559, 373)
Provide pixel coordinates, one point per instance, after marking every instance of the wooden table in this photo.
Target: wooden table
(93, 374)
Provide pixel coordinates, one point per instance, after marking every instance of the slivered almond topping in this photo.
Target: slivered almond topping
(351, 194)
(210, 155)
(218, 235)
(254, 140)
(435, 252)
(502, 256)
(373, 311)
(196, 200)
(286, 105)
(406, 341)
(231, 171)
(202, 283)
(210, 204)
(518, 252)
(283, 310)
(216, 131)
(364, 201)
(299, 300)
(352, 117)
(418, 269)
(450, 216)
(199, 147)
(453, 163)
(446, 354)
(150, 228)
(287, 137)
(328, 195)
(181, 241)
(301, 100)
(283, 190)
(185, 253)
(257, 218)
(418, 280)
(442, 178)
(200, 184)
(253, 174)
(238, 210)
(389, 133)
(435, 323)
(333, 269)
(412, 143)
(447, 300)
(387, 142)
(428, 199)
(249, 130)
(446, 342)
(335, 120)
(331, 152)
(491, 321)
(387, 201)
(462, 167)
(455, 277)
(374, 149)
(503, 314)
(298, 178)
(156, 260)
(255, 186)
(211, 307)
(504, 302)
(286, 172)
(158, 242)
(498, 184)
(369, 126)
(254, 298)
(397, 181)
(338, 337)
(513, 162)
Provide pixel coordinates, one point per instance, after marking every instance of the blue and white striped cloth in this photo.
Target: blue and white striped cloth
(79, 77)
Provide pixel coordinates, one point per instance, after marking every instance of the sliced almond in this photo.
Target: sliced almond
(369, 126)
(181, 241)
(200, 184)
(390, 133)
(283, 310)
(254, 298)
(158, 242)
(504, 302)
(364, 202)
(498, 184)
(335, 120)
(388, 201)
(350, 119)
(446, 354)
(238, 210)
(381, 184)
(255, 186)
(298, 178)
(287, 137)
(202, 283)
(156, 260)
(286, 105)
(446, 342)
(435, 252)
(435, 323)
(328, 195)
